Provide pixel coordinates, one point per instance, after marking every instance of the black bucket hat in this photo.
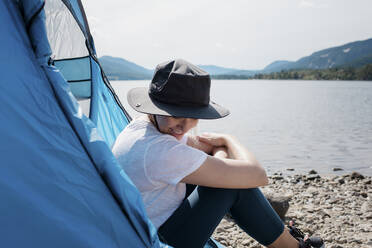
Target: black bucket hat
(179, 89)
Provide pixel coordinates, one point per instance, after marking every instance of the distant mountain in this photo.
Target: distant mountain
(360, 62)
(277, 65)
(354, 54)
(218, 70)
(121, 69)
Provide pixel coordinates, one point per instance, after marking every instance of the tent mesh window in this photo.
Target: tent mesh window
(69, 51)
(73, 53)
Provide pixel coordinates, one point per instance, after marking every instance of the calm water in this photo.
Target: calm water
(293, 124)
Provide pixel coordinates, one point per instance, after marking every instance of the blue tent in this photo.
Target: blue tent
(60, 185)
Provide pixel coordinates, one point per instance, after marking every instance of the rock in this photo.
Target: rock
(278, 173)
(324, 214)
(245, 242)
(368, 216)
(341, 181)
(356, 175)
(313, 177)
(298, 178)
(364, 194)
(277, 177)
(290, 169)
(337, 169)
(280, 204)
(312, 172)
(366, 207)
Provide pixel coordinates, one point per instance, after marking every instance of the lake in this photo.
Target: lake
(300, 125)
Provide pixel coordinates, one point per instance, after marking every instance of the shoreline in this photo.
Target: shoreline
(338, 208)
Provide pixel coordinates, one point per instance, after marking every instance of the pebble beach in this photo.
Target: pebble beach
(336, 208)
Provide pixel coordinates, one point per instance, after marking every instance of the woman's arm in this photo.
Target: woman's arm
(239, 170)
(235, 150)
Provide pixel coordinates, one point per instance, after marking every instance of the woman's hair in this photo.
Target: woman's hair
(151, 118)
(153, 121)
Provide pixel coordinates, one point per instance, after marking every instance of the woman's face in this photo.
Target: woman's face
(175, 126)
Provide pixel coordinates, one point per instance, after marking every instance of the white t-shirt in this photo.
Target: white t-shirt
(156, 163)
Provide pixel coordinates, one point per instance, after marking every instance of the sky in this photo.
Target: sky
(241, 34)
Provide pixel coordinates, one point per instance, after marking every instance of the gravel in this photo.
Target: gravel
(336, 208)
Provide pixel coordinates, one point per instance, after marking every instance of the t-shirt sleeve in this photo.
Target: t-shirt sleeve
(169, 161)
(184, 139)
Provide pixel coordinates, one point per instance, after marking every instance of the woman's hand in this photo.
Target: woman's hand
(194, 141)
(220, 152)
(214, 139)
(207, 142)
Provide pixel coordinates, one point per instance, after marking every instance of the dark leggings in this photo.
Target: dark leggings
(195, 219)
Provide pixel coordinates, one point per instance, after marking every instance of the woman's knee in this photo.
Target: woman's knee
(252, 194)
(216, 195)
(234, 195)
(252, 199)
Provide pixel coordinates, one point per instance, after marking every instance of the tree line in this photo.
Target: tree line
(349, 73)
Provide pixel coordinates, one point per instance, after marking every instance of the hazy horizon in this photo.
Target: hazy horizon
(240, 34)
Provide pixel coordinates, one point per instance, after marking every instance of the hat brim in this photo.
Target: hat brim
(139, 100)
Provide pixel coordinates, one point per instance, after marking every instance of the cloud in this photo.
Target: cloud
(219, 45)
(313, 4)
(306, 4)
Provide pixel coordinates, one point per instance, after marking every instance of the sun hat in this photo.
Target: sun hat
(179, 89)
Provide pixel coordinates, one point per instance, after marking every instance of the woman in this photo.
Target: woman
(163, 162)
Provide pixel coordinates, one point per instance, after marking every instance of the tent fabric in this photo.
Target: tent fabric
(64, 34)
(105, 112)
(60, 185)
(59, 182)
(77, 10)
